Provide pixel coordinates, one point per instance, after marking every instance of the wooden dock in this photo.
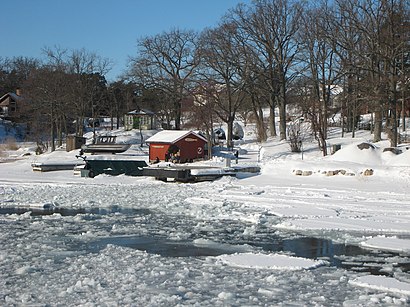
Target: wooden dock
(48, 167)
(177, 173)
(186, 173)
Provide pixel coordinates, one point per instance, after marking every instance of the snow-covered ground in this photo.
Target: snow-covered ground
(115, 241)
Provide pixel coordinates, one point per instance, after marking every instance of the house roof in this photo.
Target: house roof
(171, 136)
(13, 96)
(141, 112)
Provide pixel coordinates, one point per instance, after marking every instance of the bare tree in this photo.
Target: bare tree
(203, 112)
(395, 32)
(14, 72)
(272, 25)
(122, 94)
(47, 101)
(167, 61)
(85, 82)
(252, 74)
(404, 65)
(88, 87)
(320, 59)
(254, 86)
(66, 88)
(368, 37)
(220, 71)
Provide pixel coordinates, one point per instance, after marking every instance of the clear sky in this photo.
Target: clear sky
(109, 28)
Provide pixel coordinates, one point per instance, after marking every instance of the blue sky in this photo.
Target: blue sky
(109, 28)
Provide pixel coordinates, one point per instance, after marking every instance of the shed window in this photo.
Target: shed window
(13, 107)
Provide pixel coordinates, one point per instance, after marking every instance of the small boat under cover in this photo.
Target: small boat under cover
(105, 144)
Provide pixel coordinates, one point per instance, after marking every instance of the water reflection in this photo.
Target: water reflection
(318, 248)
(314, 248)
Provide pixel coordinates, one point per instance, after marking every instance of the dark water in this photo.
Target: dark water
(152, 245)
(229, 233)
(359, 259)
(49, 210)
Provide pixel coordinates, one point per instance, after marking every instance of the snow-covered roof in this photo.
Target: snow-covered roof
(13, 96)
(141, 112)
(171, 136)
(336, 90)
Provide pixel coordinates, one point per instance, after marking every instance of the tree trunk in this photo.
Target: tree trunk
(393, 107)
(326, 100)
(393, 122)
(260, 126)
(378, 118)
(354, 117)
(403, 112)
(230, 132)
(59, 133)
(322, 134)
(282, 109)
(52, 136)
(177, 107)
(272, 120)
(80, 126)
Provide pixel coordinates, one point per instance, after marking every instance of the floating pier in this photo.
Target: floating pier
(48, 167)
(186, 173)
(171, 172)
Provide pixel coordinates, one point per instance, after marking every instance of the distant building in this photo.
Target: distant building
(176, 145)
(140, 119)
(336, 92)
(11, 106)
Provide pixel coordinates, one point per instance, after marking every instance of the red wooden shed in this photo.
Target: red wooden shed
(178, 145)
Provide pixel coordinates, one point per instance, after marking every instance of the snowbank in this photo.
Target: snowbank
(382, 283)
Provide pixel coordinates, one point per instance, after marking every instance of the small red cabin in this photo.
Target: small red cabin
(176, 145)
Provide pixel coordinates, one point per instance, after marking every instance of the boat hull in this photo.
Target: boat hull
(105, 148)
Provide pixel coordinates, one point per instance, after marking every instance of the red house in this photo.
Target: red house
(176, 145)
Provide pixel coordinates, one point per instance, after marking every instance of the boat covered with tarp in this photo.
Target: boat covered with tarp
(105, 144)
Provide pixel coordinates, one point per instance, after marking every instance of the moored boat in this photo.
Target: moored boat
(105, 144)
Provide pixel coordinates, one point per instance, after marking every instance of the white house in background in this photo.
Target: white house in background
(335, 95)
